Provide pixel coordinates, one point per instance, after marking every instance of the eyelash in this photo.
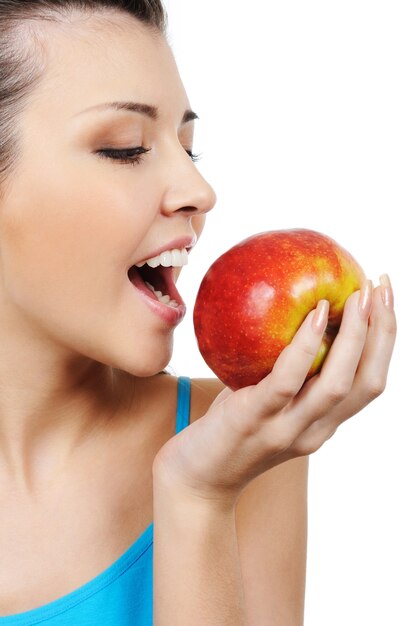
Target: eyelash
(124, 156)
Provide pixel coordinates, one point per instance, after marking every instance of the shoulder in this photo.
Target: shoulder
(203, 393)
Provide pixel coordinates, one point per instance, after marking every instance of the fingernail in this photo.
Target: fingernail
(387, 293)
(319, 321)
(365, 300)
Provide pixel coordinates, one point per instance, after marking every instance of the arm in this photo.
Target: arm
(271, 520)
(202, 473)
(271, 524)
(231, 564)
(197, 573)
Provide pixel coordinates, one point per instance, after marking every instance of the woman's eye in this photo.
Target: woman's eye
(133, 155)
(128, 155)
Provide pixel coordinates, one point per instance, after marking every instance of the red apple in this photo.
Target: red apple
(255, 296)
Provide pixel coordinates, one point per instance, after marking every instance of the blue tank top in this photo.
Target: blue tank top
(122, 595)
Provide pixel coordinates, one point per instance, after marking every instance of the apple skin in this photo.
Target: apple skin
(255, 296)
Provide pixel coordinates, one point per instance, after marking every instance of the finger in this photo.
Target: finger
(371, 377)
(339, 368)
(369, 382)
(372, 372)
(335, 380)
(274, 391)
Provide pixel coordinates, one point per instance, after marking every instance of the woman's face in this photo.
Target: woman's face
(74, 222)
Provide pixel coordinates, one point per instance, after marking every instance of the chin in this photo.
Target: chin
(148, 363)
(142, 371)
(145, 360)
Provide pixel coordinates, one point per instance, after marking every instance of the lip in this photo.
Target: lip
(171, 315)
(179, 243)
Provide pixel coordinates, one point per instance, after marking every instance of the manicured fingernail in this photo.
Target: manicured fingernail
(387, 293)
(365, 300)
(319, 321)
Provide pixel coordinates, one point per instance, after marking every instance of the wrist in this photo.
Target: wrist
(196, 558)
(183, 497)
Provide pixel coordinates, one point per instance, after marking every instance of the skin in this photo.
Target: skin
(256, 428)
(78, 349)
(77, 345)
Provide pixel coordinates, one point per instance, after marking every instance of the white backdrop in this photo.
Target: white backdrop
(308, 119)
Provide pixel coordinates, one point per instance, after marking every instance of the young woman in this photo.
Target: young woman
(129, 497)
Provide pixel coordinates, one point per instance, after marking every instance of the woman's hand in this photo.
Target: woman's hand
(246, 432)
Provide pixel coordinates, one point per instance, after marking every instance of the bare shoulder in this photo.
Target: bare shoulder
(203, 393)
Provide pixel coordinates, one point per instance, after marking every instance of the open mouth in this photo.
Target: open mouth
(162, 280)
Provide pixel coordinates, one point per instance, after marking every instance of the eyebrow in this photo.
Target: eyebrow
(139, 107)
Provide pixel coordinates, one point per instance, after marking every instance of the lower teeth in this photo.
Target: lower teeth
(164, 299)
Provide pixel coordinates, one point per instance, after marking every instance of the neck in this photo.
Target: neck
(50, 410)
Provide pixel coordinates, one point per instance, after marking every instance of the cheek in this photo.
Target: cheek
(69, 234)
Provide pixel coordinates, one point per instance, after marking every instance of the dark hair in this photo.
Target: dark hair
(23, 54)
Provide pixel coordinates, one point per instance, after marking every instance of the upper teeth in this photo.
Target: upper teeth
(175, 258)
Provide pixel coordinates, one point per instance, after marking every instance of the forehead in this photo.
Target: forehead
(121, 60)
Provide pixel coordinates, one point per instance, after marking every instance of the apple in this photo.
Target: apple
(255, 296)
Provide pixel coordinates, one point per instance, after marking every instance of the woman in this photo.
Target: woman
(130, 497)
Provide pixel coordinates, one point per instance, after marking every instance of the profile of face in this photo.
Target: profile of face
(75, 220)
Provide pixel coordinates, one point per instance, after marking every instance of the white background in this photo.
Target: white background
(308, 119)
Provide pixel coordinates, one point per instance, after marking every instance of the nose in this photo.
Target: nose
(185, 188)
